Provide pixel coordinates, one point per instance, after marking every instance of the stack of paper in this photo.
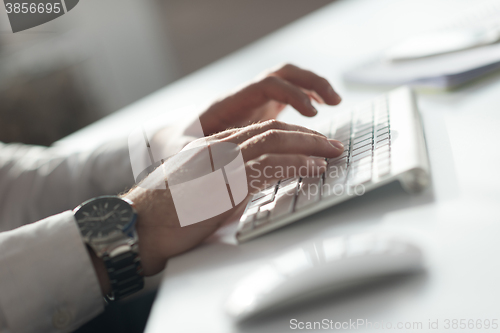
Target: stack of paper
(442, 71)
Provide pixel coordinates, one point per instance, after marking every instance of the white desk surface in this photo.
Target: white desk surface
(457, 221)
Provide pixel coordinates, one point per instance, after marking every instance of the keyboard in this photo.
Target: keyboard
(384, 142)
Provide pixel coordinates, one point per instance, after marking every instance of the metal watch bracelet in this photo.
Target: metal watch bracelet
(125, 273)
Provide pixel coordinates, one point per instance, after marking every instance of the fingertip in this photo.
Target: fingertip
(314, 111)
(309, 112)
(337, 145)
(338, 100)
(334, 98)
(317, 166)
(318, 162)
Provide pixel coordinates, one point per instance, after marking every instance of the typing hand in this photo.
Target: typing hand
(271, 150)
(265, 98)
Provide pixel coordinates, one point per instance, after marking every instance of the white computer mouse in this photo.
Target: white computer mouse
(328, 265)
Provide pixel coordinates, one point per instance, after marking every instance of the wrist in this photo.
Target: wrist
(152, 261)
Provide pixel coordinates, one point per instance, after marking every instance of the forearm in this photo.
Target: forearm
(47, 263)
(36, 182)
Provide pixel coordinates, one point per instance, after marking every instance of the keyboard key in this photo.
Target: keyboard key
(345, 140)
(357, 134)
(357, 177)
(284, 184)
(342, 159)
(338, 160)
(261, 217)
(361, 153)
(262, 201)
(334, 180)
(335, 171)
(382, 142)
(365, 161)
(284, 205)
(263, 193)
(380, 155)
(382, 149)
(361, 145)
(383, 169)
(363, 125)
(382, 119)
(361, 138)
(252, 210)
(309, 192)
(381, 137)
(381, 128)
(285, 197)
(333, 189)
(346, 144)
(247, 218)
(385, 143)
(246, 226)
(268, 206)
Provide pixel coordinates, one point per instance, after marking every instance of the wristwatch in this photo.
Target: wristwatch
(107, 225)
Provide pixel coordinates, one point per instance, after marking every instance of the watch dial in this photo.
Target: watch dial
(101, 217)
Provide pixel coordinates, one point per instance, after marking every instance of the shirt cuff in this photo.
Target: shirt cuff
(48, 282)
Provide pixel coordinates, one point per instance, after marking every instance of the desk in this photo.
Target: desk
(456, 221)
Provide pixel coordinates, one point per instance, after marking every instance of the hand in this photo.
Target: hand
(269, 146)
(267, 97)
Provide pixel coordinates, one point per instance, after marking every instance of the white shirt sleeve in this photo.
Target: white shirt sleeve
(37, 182)
(47, 280)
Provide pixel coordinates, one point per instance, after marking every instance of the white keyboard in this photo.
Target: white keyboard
(384, 142)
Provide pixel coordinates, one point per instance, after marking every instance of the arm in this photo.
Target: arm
(46, 262)
(36, 182)
(47, 280)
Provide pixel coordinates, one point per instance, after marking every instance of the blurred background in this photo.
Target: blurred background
(103, 55)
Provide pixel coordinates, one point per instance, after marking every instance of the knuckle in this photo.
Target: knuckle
(301, 159)
(270, 80)
(273, 124)
(286, 67)
(265, 159)
(323, 81)
(273, 136)
(316, 140)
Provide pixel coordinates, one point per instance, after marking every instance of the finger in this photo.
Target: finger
(267, 169)
(275, 88)
(248, 132)
(310, 81)
(287, 142)
(224, 134)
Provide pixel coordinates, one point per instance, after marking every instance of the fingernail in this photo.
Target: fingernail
(332, 93)
(309, 104)
(319, 162)
(337, 145)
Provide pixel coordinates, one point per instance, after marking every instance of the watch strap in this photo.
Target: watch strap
(125, 274)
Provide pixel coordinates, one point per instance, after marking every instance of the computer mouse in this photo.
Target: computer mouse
(326, 266)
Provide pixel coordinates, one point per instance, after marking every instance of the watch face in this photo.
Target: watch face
(101, 217)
